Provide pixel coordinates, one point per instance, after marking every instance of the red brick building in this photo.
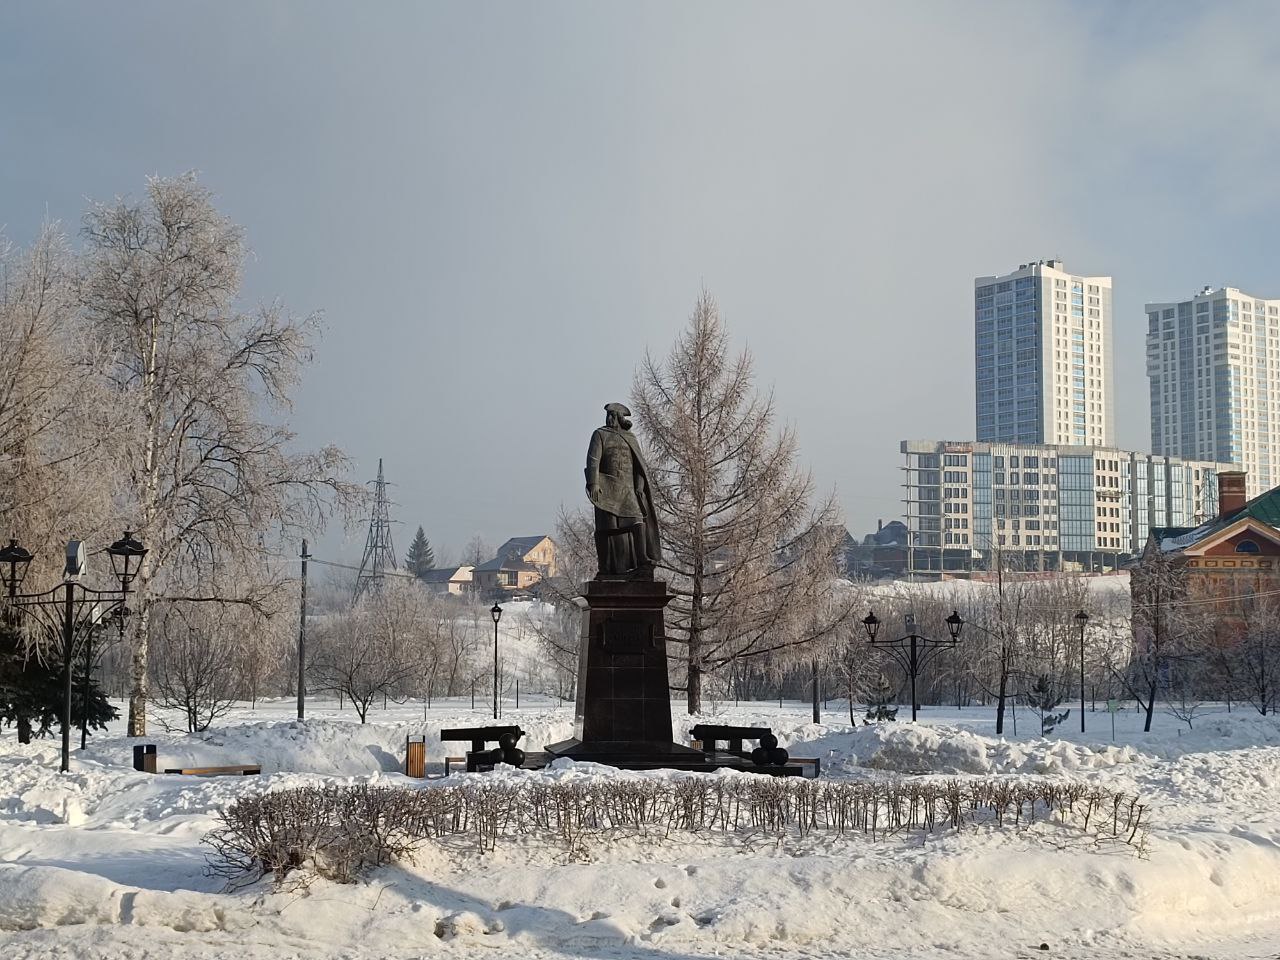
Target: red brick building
(1235, 557)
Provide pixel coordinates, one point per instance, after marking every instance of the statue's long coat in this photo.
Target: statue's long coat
(624, 493)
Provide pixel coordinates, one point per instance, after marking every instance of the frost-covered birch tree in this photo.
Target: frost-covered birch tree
(56, 471)
(209, 476)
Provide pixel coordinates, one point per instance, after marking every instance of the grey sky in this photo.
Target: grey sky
(498, 207)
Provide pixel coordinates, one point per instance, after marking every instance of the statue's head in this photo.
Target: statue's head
(617, 415)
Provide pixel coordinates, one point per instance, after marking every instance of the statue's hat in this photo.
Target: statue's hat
(619, 408)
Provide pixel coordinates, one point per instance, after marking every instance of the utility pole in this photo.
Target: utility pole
(1082, 619)
(302, 637)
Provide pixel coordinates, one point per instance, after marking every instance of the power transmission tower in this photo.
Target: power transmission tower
(379, 553)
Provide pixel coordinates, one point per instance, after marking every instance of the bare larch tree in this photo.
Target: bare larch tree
(748, 556)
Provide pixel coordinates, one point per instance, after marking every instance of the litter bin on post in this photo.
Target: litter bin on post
(144, 757)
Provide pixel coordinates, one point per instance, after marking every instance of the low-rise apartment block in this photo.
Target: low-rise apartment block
(1042, 506)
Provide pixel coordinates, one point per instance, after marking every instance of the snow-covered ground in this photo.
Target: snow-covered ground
(106, 862)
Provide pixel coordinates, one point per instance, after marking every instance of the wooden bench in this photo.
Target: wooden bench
(144, 760)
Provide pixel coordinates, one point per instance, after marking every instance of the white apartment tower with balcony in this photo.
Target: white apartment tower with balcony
(1043, 358)
(1214, 366)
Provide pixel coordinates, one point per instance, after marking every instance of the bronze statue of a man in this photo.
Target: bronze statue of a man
(627, 541)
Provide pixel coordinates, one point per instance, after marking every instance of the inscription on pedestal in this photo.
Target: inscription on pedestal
(627, 636)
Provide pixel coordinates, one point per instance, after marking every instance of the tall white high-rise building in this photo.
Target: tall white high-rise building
(1042, 355)
(1214, 365)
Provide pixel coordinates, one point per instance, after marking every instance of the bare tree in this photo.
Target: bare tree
(855, 669)
(748, 556)
(266, 647)
(1254, 658)
(1052, 635)
(1167, 630)
(477, 551)
(1185, 685)
(559, 636)
(193, 662)
(997, 641)
(457, 632)
(206, 474)
(374, 650)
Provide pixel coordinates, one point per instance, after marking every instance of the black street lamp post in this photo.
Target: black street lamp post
(71, 609)
(911, 651)
(17, 560)
(1081, 619)
(496, 613)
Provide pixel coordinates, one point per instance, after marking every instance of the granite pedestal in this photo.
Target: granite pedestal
(623, 714)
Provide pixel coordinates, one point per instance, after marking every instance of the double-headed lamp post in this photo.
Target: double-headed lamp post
(496, 612)
(911, 651)
(82, 608)
(1082, 619)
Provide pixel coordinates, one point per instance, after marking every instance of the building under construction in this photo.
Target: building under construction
(1042, 507)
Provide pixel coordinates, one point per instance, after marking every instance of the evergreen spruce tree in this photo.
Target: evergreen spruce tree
(420, 558)
(16, 706)
(878, 699)
(31, 693)
(1043, 697)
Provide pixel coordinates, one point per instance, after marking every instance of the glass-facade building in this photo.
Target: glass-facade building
(1043, 506)
(1042, 357)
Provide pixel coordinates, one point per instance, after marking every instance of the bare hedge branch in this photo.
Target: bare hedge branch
(337, 832)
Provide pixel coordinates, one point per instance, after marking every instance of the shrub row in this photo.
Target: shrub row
(338, 831)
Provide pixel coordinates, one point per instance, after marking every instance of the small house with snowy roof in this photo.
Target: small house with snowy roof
(518, 565)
